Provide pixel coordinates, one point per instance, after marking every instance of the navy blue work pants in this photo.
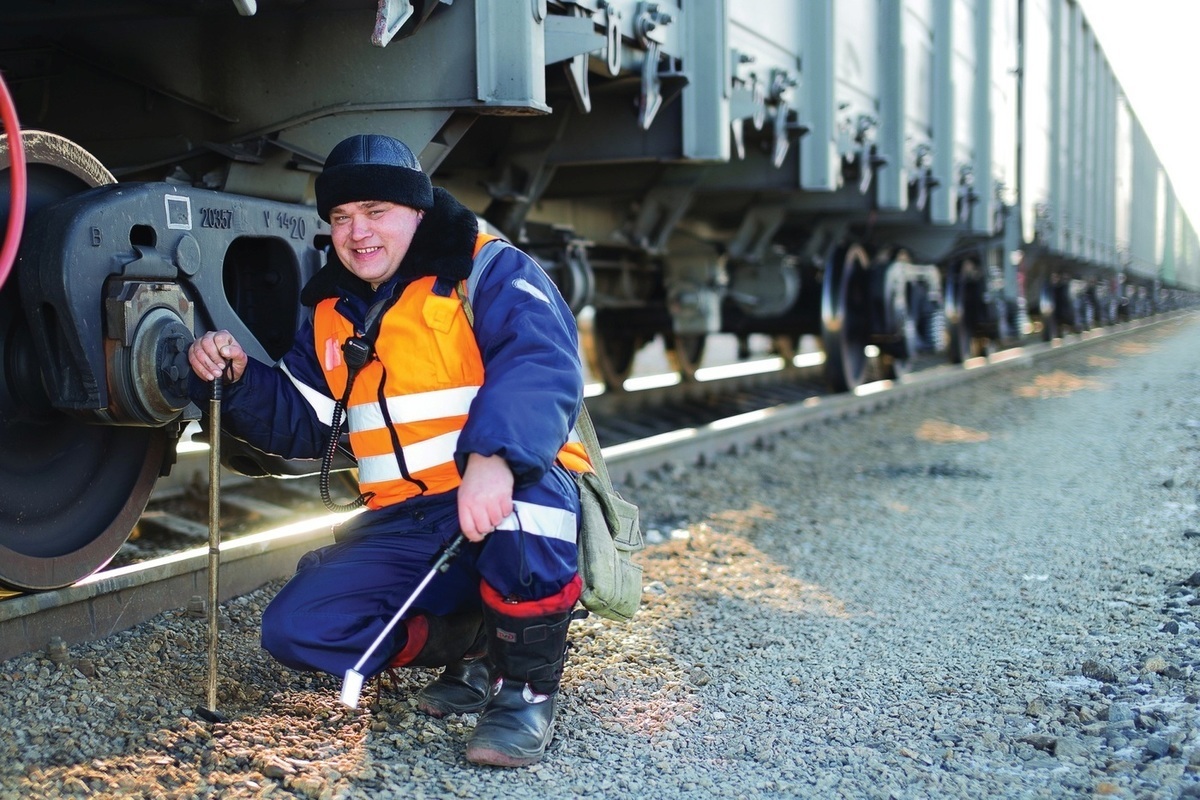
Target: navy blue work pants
(342, 596)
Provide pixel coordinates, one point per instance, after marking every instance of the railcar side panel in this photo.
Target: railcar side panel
(1144, 249)
(1037, 141)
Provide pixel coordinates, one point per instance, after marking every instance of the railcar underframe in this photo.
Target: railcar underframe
(676, 194)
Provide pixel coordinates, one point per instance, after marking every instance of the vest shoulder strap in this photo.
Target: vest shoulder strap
(374, 318)
(486, 251)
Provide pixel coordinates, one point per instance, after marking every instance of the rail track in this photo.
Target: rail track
(656, 426)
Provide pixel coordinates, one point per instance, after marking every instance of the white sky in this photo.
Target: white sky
(1153, 47)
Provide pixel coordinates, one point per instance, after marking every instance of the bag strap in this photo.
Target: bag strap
(587, 434)
(583, 424)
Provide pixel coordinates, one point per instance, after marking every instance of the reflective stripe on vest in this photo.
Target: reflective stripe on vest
(321, 405)
(414, 408)
(419, 457)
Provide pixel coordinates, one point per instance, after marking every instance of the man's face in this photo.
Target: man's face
(372, 236)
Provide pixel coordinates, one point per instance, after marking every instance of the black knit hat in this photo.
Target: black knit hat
(371, 166)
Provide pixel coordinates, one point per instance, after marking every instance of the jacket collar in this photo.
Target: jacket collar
(443, 247)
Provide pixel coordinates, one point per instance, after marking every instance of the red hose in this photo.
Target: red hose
(17, 178)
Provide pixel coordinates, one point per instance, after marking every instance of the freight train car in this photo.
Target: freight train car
(887, 176)
(1102, 236)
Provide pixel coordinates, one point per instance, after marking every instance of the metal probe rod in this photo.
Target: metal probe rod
(214, 543)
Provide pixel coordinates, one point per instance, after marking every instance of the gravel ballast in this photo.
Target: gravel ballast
(987, 592)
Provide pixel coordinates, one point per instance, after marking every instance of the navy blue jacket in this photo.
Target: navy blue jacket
(533, 382)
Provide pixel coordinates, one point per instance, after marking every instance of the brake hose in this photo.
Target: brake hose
(17, 179)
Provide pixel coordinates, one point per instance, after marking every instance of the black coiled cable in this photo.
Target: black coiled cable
(357, 353)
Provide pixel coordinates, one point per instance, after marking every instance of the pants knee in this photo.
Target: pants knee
(274, 635)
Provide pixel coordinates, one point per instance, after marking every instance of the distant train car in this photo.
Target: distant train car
(885, 176)
(1102, 234)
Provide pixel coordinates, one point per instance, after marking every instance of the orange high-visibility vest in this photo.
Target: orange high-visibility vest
(409, 403)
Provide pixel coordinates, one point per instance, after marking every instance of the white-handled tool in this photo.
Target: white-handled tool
(352, 683)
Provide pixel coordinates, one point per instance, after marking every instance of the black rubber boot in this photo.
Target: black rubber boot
(463, 687)
(446, 639)
(527, 653)
(515, 727)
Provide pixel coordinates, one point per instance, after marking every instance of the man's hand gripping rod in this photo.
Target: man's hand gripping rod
(352, 683)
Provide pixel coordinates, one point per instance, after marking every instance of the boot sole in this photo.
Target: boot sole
(438, 711)
(491, 757)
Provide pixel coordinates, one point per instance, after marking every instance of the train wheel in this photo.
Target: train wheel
(1087, 314)
(894, 368)
(610, 347)
(1048, 311)
(685, 354)
(70, 492)
(612, 359)
(963, 302)
(786, 346)
(901, 323)
(845, 294)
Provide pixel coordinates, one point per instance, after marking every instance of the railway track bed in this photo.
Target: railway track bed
(266, 525)
(984, 593)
